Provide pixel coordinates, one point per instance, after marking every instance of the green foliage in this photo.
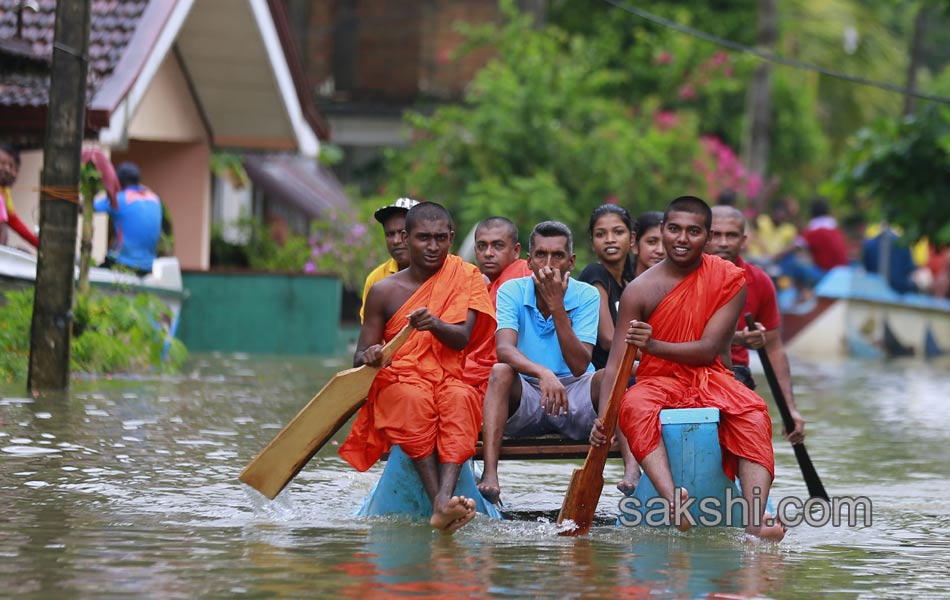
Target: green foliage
(348, 246)
(261, 251)
(230, 166)
(543, 134)
(903, 167)
(798, 158)
(111, 334)
(330, 154)
(15, 316)
(341, 244)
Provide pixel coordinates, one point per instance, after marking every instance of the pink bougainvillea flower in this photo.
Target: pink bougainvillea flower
(664, 119)
(687, 92)
(663, 58)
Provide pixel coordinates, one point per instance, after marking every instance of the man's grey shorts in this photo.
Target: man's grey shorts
(532, 419)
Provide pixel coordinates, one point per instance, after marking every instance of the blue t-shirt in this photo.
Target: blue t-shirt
(138, 225)
(517, 309)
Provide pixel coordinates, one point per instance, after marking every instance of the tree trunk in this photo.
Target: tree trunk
(759, 139)
(53, 296)
(85, 244)
(916, 57)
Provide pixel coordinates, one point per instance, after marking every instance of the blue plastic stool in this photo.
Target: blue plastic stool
(399, 490)
(691, 437)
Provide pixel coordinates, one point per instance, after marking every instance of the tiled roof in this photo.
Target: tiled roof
(112, 24)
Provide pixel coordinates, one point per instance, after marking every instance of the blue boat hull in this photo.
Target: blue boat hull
(691, 437)
(399, 490)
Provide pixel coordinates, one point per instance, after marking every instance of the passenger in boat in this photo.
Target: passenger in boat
(648, 244)
(611, 235)
(682, 316)
(9, 169)
(419, 400)
(544, 381)
(393, 220)
(496, 254)
(825, 242)
(726, 240)
(136, 215)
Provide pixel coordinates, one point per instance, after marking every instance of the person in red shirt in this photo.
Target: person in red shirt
(726, 239)
(825, 242)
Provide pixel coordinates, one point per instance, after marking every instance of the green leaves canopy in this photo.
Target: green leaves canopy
(903, 167)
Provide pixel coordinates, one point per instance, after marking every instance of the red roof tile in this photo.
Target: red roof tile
(112, 24)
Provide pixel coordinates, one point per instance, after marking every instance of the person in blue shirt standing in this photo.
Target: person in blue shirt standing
(136, 220)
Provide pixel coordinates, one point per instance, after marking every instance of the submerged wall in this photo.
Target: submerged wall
(261, 313)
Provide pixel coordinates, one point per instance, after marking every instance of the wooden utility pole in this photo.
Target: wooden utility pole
(59, 197)
(759, 140)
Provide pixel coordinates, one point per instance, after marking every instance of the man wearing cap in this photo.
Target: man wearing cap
(137, 221)
(393, 220)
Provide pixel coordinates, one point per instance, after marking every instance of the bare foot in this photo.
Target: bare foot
(772, 529)
(489, 489)
(682, 524)
(628, 485)
(456, 508)
(458, 523)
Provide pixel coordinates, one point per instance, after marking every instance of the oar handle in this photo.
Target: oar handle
(393, 345)
(612, 412)
(773, 381)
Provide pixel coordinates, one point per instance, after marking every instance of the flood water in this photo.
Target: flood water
(128, 488)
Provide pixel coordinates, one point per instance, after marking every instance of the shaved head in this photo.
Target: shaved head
(426, 211)
(500, 223)
(722, 211)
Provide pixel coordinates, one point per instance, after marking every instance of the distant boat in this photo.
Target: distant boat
(18, 271)
(856, 313)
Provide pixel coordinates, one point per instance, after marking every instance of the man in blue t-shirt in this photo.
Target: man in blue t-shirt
(547, 327)
(136, 220)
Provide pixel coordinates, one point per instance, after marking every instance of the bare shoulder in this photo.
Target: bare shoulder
(649, 289)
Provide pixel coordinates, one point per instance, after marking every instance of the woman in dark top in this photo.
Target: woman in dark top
(611, 234)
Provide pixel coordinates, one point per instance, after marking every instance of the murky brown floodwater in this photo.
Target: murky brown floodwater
(128, 489)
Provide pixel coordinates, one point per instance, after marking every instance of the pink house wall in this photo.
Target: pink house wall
(180, 174)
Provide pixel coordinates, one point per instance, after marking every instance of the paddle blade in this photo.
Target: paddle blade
(580, 501)
(308, 431)
(280, 461)
(587, 483)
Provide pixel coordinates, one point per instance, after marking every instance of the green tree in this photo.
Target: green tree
(902, 166)
(543, 133)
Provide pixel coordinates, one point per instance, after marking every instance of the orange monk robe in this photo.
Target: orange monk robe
(745, 428)
(480, 360)
(419, 401)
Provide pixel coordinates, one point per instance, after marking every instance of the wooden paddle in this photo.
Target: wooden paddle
(295, 445)
(587, 483)
(812, 481)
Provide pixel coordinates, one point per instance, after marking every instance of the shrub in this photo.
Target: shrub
(111, 334)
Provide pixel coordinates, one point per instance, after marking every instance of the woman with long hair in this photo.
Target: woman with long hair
(611, 235)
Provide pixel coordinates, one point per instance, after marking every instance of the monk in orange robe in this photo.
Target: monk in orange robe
(682, 315)
(419, 401)
(496, 253)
